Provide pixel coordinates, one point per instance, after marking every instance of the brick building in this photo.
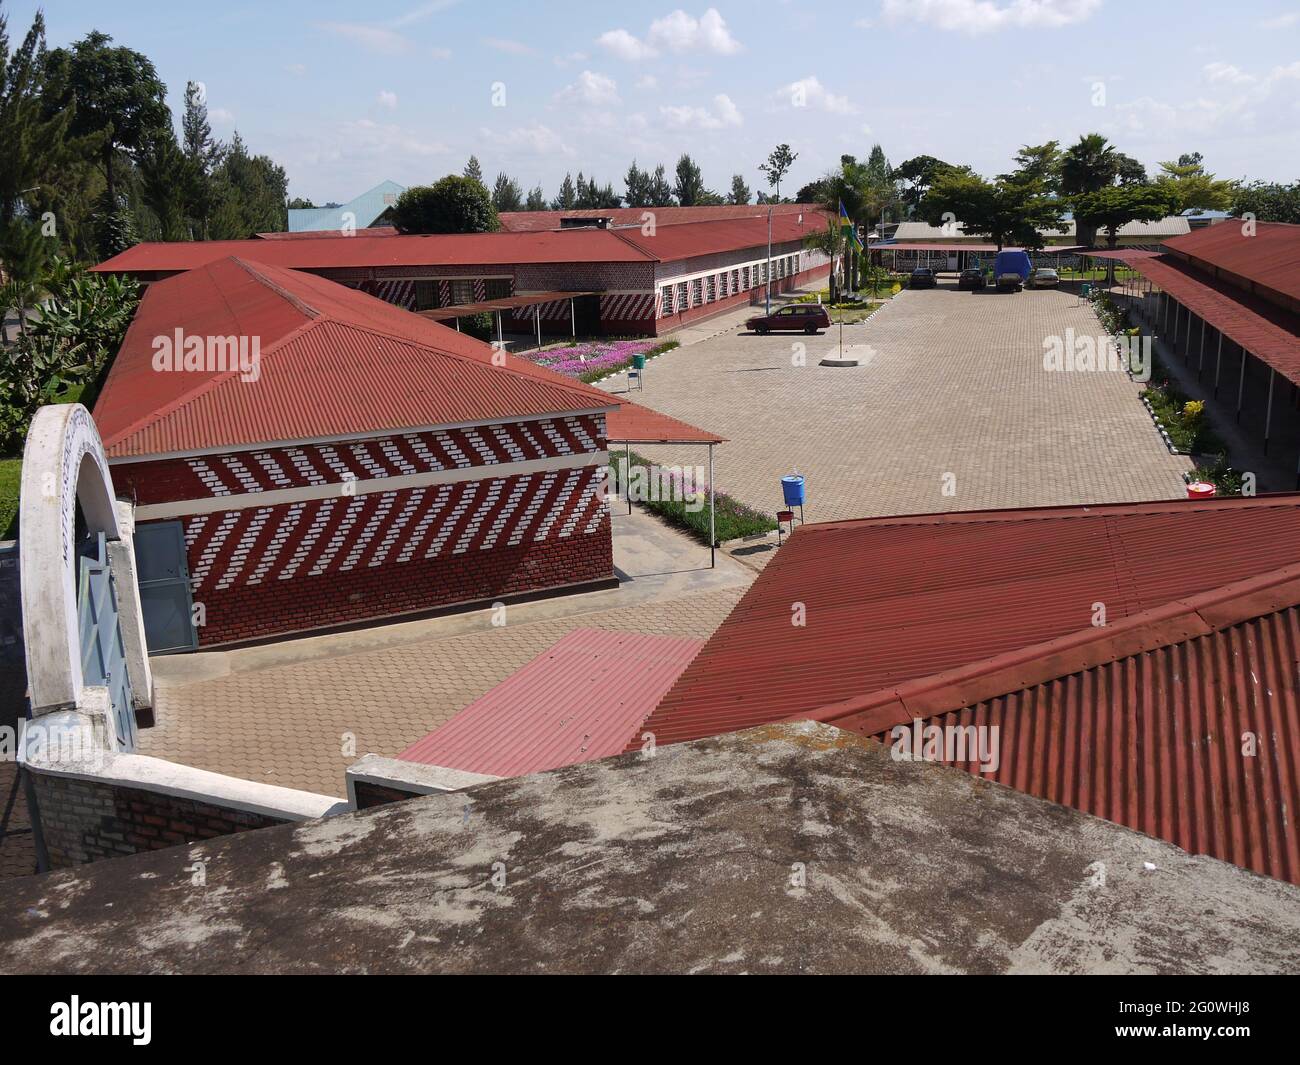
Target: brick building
(617, 280)
(314, 457)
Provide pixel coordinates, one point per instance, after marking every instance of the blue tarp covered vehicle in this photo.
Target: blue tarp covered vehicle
(1011, 268)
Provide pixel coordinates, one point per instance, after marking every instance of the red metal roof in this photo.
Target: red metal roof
(632, 423)
(532, 221)
(674, 242)
(889, 600)
(1269, 259)
(364, 251)
(334, 362)
(1142, 722)
(1264, 329)
(985, 618)
(582, 699)
(318, 234)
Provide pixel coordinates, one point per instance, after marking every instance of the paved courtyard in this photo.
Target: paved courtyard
(298, 712)
(952, 411)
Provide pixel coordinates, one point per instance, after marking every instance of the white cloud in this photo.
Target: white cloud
(387, 99)
(526, 140)
(678, 33)
(1226, 72)
(371, 38)
(510, 47)
(987, 16)
(591, 89)
(1282, 22)
(723, 113)
(810, 92)
(297, 69)
(440, 53)
(222, 116)
(365, 137)
(647, 81)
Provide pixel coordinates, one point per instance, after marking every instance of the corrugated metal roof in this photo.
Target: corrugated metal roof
(359, 212)
(1180, 717)
(363, 251)
(632, 423)
(533, 221)
(888, 600)
(1183, 722)
(1264, 329)
(582, 699)
(1269, 259)
(364, 365)
(675, 242)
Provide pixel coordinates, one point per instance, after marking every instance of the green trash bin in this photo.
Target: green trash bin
(638, 362)
(1085, 290)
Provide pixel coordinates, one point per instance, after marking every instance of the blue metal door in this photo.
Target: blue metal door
(103, 657)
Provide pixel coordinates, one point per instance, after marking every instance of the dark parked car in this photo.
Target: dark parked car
(808, 317)
(971, 279)
(922, 278)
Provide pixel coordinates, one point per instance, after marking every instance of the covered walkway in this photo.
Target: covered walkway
(1239, 351)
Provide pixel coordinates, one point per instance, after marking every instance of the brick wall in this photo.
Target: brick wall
(86, 821)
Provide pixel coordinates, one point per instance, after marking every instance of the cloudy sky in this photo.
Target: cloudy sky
(347, 94)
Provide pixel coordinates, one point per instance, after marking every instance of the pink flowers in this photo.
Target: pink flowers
(593, 357)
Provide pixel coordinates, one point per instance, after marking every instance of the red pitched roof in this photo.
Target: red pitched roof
(985, 618)
(1269, 259)
(334, 362)
(584, 698)
(532, 221)
(364, 251)
(674, 242)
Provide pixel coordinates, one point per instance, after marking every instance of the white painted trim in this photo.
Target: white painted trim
(378, 434)
(284, 496)
(186, 782)
(660, 282)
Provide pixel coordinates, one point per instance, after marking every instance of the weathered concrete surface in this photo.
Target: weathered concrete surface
(681, 863)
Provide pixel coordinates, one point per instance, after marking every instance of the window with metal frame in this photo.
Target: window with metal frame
(497, 288)
(426, 295)
(666, 306)
(462, 292)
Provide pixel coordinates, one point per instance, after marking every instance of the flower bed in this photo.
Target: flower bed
(598, 358)
(732, 518)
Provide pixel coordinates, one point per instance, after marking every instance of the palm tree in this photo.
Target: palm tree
(831, 242)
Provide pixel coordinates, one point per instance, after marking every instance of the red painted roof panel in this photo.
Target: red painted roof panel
(582, 699)
(532, 221)
(889, 600)
(1268, 257)
(334, 362)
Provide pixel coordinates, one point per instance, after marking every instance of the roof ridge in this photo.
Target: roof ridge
(1149, 630)
(217, 378)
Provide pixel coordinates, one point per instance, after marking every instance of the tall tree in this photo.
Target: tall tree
(506, 193)
(1011, 210)
(453, 205)
(661, 193)
(1041, 163)
(32, 144)
(916, 175)
(536, 199)
(1117, 205)
(778, 164)
(739, 190)
(167, 180)
(689, 187)
(567, 197)
(250, 191)
(202, 154)
(119, 97)
(1268, 202)
(1194, 188)
(637, 183)
(473, 170)
(1091, 164)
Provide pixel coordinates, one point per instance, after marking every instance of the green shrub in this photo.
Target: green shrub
(10, 469)
(732, 519)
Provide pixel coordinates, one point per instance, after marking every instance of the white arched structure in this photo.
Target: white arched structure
(64, 467)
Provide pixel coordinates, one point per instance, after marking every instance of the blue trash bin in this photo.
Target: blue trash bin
(792, 490)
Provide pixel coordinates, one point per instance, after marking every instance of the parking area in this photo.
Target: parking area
(951, 409)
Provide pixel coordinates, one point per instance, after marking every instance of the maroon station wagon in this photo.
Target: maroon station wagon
(808, 317)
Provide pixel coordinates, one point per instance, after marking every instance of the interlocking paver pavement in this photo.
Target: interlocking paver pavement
(288, 725)
(954, 385)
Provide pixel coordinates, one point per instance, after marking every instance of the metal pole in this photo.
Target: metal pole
(1218, 364)
(627, 476)
(573, 319)
(458, 325)
(712, 535)
(767, 270)
(1268, 414)
(1241, 383)
(1200, 365)
(537, 314)
(501, 340)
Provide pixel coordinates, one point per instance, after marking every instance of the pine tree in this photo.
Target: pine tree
(739, 190)
(567, 198)
(473, 170)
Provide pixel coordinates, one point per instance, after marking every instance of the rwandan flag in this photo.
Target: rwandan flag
(849, 229)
